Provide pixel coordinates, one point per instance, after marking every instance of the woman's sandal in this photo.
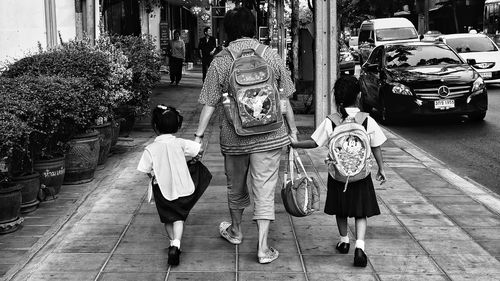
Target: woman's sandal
(271, 255)
(225, 234)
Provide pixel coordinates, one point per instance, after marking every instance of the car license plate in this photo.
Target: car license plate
(486, 75)
(444, 104)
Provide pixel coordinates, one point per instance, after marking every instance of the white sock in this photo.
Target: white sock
(344, 239)
(360, 244)
(176, 243)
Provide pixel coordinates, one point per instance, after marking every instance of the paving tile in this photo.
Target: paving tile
(98, 218)
(87, 244)
(337, 264)
(201, 276)
(469, 209)
(11, 256)
(71, 262)
(438, 232)
(32, 230)
(206, 262)
(473, 277)
(4, 268)
(193, 230)
(412, 277)
(414, 208)
(137, 263)
(315, 219)
(318, 246)
(380, 220)
(452, 200)
(384, 232)
(412, 264)
(491, 246)
(483, 233)
(85, 229)
(151, 247)
(314, 232)
(213, 207)
(286, 262)
(425, 220)
(453, 247)
(131, 276)
(63, 276)
(283, 245)
(266, 276)
(17, 243)
(393, 247)
(113, 208)
(407, 199)
(341, 277)
(208, 244)
(41, 221)
(477, 221)
(152, 232)
(468, 264)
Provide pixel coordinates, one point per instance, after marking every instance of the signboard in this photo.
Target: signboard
(164, 36)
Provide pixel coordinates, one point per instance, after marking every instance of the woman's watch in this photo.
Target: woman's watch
(198, 136)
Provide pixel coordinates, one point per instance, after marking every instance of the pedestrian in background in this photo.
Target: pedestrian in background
(176, 53)
(206, 48)
(174, 186)
(357, 199)
(251, 162)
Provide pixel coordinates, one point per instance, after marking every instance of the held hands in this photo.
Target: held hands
(293, 139)
(197, 157)
(381, 176)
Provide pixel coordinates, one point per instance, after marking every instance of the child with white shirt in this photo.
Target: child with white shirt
(173, 188)
(358, 199)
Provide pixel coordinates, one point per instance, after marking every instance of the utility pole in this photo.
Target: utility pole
(423, 16)
(325, 23)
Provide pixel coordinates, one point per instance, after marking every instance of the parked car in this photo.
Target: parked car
(421, 78)
(353, 46)
(480, 48)
(376, 32)
(346, 62)
(431, 35)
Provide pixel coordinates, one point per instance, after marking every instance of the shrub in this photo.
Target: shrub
(57, 108)
(105, 70)
(145, 62)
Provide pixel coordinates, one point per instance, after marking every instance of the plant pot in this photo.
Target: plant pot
(127, 115)
(29, 192)
(51, 176)
(81, 159)
(105, 133)
(10, 207)
(115, 131)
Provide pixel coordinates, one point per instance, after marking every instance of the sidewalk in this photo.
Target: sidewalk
(435, 225)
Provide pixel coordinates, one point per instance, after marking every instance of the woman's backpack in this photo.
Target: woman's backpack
(252, 103)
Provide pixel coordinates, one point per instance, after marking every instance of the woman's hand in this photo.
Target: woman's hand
(381, 176)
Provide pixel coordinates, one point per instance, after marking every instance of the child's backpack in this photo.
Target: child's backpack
(349, 151)
(252, 103)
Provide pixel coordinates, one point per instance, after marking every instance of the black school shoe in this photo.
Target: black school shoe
(360, 258)
(343, 247)
(173, 255)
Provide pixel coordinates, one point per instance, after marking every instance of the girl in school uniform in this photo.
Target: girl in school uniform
(358, 199)
(176, 185)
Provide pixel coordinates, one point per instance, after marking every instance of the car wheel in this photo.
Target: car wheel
(477, 116)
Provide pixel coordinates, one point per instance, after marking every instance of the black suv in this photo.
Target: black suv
(421, 79)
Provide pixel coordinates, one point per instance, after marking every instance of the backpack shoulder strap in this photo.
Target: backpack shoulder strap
(335, 118)
(228, 52)
(362, 118)
(260, 49)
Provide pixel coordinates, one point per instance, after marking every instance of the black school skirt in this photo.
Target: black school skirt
(359, 200)
(178, 209)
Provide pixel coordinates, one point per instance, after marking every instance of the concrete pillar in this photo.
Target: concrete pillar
(325, 23)
(91, 23)
(50, 23)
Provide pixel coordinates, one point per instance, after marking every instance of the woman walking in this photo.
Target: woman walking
(177, 54)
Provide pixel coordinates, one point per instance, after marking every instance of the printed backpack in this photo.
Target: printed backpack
(252, 103)
(349, 151)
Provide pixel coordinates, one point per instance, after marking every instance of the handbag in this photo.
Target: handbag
(300, 194)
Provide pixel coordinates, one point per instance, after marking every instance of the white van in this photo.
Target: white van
(376, 32)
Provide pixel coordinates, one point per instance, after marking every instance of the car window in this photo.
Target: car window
(399, 33)
(375, 56)
(466, 45)
(364, 34)
(411, 56)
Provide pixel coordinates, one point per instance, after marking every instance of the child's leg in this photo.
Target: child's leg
(360, 232)
(169, 228)
(342, 225)
(178, 228)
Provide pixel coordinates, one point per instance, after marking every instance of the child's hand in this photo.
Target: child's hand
(381, 177)
(293, 139)
(198, 156)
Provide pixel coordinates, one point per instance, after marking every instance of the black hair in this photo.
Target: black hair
(177, 31)
(239, 22)
(205, 30)
(346, 92)
(166, 119)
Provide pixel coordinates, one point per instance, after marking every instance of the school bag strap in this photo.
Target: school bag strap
(259, 50)
(360, 118)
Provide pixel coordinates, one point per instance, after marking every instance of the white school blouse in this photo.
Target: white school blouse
(166, 158)
(324, 132)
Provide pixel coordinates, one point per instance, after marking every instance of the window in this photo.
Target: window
(469, 45)
(415, 56)
(364, 34)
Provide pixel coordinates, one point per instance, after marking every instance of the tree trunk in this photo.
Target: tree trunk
(295, 39)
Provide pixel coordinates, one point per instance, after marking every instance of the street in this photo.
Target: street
(470, 149)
